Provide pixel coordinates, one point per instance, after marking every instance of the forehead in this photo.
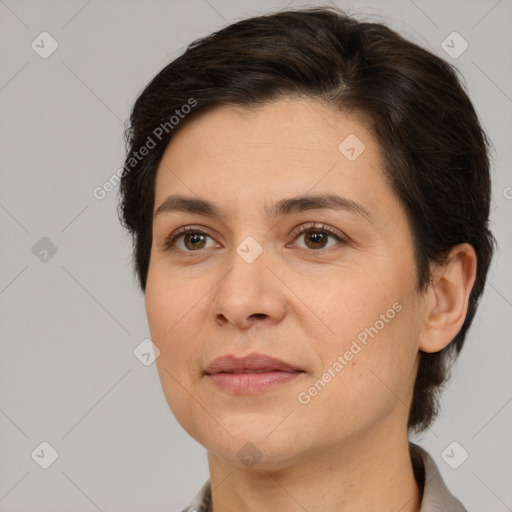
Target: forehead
(240, 156)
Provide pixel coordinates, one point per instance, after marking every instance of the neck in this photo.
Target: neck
(371, 471)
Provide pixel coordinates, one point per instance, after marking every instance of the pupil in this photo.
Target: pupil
(317, 238)
(194, 237)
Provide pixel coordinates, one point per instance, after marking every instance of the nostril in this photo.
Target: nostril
(258, 315)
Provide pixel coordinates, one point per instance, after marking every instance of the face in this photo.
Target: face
(328, 287)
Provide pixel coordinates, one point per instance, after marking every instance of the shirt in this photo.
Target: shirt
(436, 496)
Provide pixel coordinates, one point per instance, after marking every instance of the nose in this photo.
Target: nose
(248, 294)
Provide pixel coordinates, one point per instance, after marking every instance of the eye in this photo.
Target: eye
(192, 239)
(187, 239)
(316, 237)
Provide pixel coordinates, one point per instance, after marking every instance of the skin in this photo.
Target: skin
(347, 448)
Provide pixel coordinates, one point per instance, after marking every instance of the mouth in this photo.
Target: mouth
(250, 375)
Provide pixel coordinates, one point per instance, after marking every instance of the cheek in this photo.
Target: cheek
(381, 355)
(376, 325)
(167, 318)
(177, 310)
(352, 308)
(371, 382)
(158, 309)
(168, 302)
(166, 315)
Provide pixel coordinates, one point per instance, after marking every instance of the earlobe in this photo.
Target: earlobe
(448, 296)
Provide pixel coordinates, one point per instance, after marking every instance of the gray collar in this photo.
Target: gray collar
(436, 496)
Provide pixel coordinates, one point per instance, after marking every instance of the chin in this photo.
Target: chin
(253, 455)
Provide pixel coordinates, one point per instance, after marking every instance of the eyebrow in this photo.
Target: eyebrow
(282, 208)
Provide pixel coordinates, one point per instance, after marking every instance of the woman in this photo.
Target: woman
(309, 199)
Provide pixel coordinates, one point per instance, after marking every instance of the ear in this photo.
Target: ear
(446, 300)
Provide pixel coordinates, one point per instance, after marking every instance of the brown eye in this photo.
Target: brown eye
(316, 238)
(187, 239)
(194, 240)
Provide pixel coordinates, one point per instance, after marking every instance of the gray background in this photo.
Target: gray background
(69, 322)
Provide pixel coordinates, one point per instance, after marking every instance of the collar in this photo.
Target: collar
(436, 496)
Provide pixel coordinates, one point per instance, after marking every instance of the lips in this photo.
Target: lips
(253, 363)
(250, 375)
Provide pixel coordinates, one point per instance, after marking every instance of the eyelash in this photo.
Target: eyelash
(318, 228)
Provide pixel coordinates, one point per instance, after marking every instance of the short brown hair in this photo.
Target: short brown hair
(434, 150)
